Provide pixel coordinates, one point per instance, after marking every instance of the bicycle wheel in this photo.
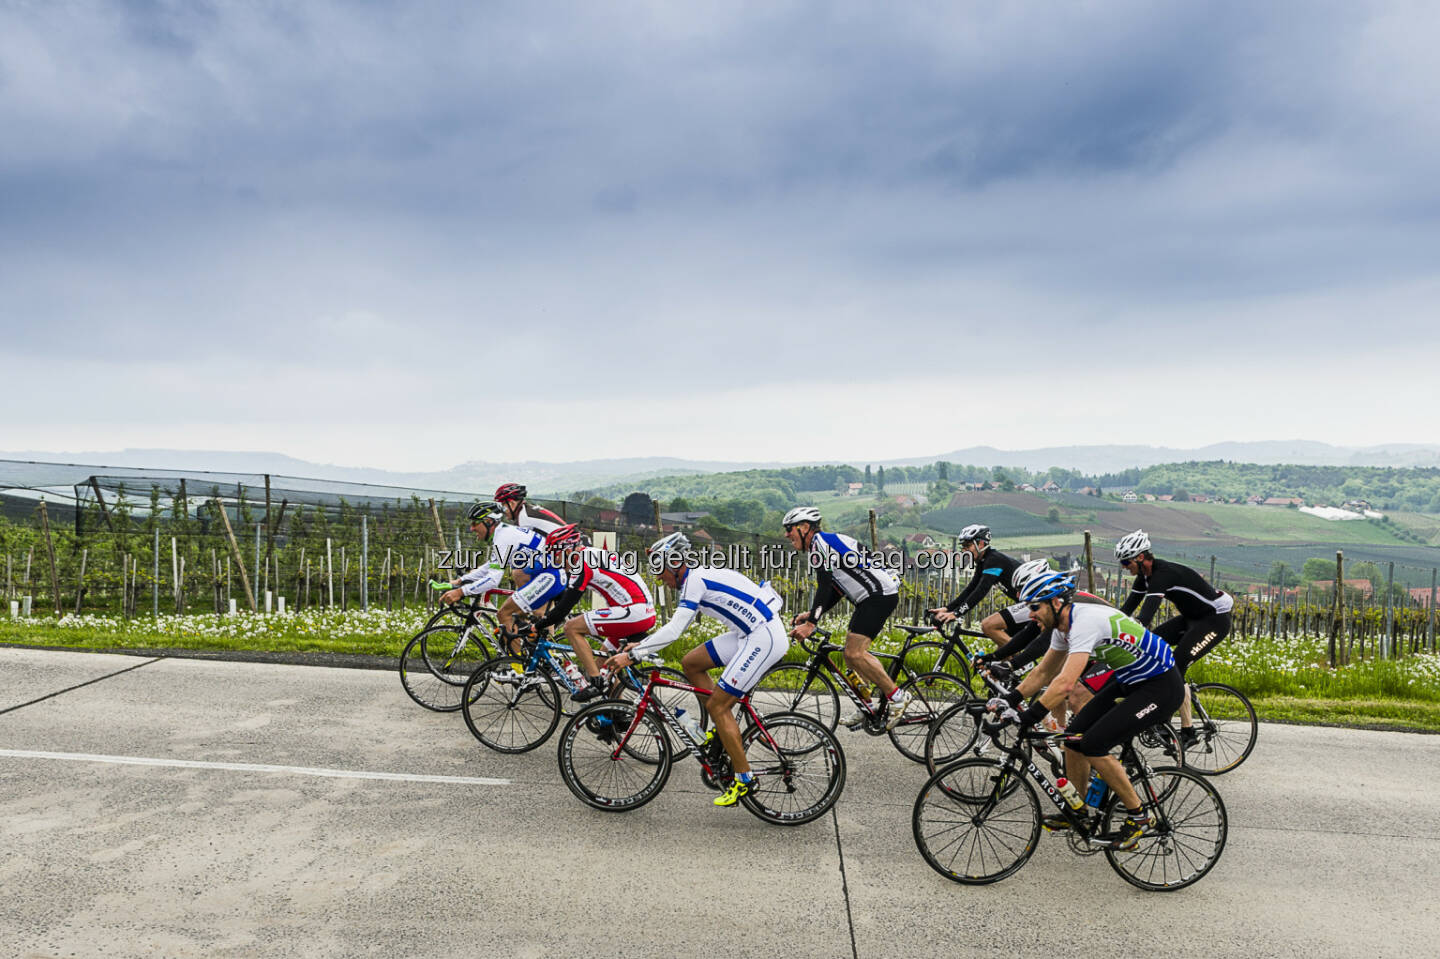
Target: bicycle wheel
(976, 822)
(1186, 836)
(508, 709)
(953, 734)
(792, 688)
(799, 769)
(601, 774)
(1226, 728)
(431, 690)
(930, 695)
(1161, 746)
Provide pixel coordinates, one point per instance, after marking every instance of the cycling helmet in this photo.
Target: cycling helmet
(973, 532)
(1025, 571)
(1048, 586)
(801, 514)
(483, 512)
(510, 491)
(1132, 545)
(670, 543)
(563, 537)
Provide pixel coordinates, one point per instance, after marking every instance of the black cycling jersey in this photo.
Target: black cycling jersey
(993, 568)
(1192, 597)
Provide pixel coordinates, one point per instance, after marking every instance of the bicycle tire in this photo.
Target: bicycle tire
(980, 839)
(433, 680)
(1186, 836)
(1161, 746)
(947, 659)
(1227, 728)
(508, 709)
(792, 688)
(801, 781)
(603, 777)
(931, 694)
(953, 734)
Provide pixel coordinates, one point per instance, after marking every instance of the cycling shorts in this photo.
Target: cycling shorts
(870, 614)
(616, 623)
(544, 588)
(1119, 712)
(1192, 638)
(746, 657)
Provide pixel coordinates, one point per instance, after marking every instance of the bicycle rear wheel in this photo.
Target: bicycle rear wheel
(1160, 744)
(792, 688)
(436, 664)
(931, 694)
(1188, 827)
(1225, 726)
(599, 772)
(508, 709)
(976, 822)
(953, 734)
(799, 769)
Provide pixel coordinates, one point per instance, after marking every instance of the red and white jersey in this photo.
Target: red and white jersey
(538, 518)
(602, 572)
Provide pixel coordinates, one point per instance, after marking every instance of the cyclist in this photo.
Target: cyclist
(841, 569)
(1203, 618)
(512, 497)
(755, 641)
(1145, 688)
(631, 609)
(992, 568)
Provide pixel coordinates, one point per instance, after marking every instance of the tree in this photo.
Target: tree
(1182, 496)
(1317, 567)
(867, 474)
(679, 505)
(942, 470)
(880, 477)
(1364, 569)
(1282, 575)
(639, 509)
(1053, 516)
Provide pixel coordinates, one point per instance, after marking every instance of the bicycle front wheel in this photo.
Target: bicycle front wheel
(930, 695)
(1225, 729)
(953, 734)
(1186, 835)
(508, 709)
(436, 664)
(976, 822)
(601, 773)
(799, 769)
(793, 688)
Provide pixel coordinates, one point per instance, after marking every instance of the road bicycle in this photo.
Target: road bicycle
(616, 756)
(512, 704)
(978, 820)
(1225, 728)
(438, 661)
(812, 688)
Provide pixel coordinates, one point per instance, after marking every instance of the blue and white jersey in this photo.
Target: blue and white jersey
(855, 574)
(511, 547)
(1112, 638)
(724, 594)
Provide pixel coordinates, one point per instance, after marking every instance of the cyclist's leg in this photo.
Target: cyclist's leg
(1200, 636)
(697, 663)
(1077, 758)
(752, 658)
(612, 624)
(995, 627)
(1145, 704)
(865, 624)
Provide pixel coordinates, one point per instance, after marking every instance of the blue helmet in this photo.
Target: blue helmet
(1048, 586)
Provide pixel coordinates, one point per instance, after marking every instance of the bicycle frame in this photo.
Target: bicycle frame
(695, 748)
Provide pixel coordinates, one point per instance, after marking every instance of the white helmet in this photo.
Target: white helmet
(973, 532)
(801, 514)
(668, 552)
(1132, 545)
(1024, 571)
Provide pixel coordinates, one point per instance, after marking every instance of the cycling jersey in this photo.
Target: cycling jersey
(843, 569)
(993, 568)
(723, 594)
(602, 572)
(537, 518)
(1111, 637)
(511, 547)
(1192, 597)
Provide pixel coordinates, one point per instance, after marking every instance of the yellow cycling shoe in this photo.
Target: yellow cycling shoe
(732, 795)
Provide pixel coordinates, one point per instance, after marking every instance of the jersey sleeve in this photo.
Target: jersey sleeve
(827, 594)
(480, 581)
(686, 610)
(975, 591)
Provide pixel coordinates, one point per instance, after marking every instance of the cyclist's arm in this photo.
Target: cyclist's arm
(561, 607)
(1131, 601)
(1033, 651)
(1054, 660)
(1149, 608)
(973, 593)
(480, 580)
(665, 635)
(1022, 639)
(1059, 688)
(827, 594)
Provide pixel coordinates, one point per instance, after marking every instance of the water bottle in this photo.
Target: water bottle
(1070, 793)
(572, 671)
(862, 688)
(691, 726)
(1095, 795)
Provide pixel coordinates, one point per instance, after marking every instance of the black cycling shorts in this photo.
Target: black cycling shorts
(1193, 638)
(1103, 723)
(870, 614)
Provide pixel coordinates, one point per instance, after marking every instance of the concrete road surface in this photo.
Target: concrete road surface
(174, 807)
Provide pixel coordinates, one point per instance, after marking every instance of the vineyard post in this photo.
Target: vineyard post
(80, 585)
(1431, 630)
(1212, 570)
(257, 557)
(1337, 604)
(50, 550)
(439, 530)
(1089, 565)
(874, 539)
(95, 485)
(1391, 648)
(330, 567)
(659, 529)
(235, 553)
(364, 562)
(174, 575)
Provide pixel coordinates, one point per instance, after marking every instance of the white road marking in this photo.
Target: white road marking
(254, 768)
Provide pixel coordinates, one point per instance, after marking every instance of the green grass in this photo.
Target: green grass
(1275, 524)
(1376, 713)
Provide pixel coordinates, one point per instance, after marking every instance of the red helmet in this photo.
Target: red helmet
(563, 537)
(509, 491)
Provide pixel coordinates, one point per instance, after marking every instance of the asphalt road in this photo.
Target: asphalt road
(275, 810)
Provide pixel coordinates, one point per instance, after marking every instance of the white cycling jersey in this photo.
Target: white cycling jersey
(602, 571)
(724, 594)
(856, 575)
(540, 519)
(511, 547)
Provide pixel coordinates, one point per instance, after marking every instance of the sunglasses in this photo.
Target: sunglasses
(1126, 562)
(1035, 606)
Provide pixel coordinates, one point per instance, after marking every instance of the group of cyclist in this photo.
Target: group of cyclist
(1108, 670)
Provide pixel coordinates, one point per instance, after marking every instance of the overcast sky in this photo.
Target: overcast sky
(409, 234)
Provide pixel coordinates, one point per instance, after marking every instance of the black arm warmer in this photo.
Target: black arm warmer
(561, 608)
